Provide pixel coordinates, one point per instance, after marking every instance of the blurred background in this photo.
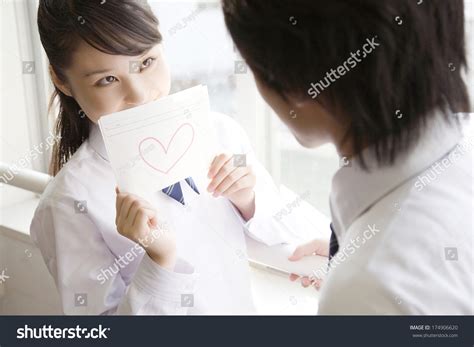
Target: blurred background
(199, 51)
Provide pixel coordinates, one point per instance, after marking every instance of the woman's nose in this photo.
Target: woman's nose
(154, 94)
(135, 97)
(138, 97)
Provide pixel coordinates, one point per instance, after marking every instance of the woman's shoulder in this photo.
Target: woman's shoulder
(80, 193)
(79, 176)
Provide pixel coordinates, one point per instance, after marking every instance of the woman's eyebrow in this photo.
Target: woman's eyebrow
(87, 74)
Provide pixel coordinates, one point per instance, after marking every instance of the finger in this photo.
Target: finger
(153, 222)
(136, 204)
(150, 210)
(145, 204)
(294, 277)
(132, 213)
(231, 178)
(118, 204)
(120, 198)
(141, 219)
(138, 219)
(128, 201)
(248, 181)
(305, 249)
(220, 175)
(124, 202)
(212, 163)
(218, 162)
(297, 254)
(305, 282)
(140, 204)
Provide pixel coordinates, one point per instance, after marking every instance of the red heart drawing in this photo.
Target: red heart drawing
(166, 149)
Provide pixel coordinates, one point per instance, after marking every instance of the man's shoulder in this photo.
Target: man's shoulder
(410, 252)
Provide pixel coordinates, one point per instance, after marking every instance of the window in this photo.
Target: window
(24, 87)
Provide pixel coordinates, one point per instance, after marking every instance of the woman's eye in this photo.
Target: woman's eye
(106, 81)
(147, 62)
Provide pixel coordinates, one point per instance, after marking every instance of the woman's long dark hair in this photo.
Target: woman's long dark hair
(119, 27)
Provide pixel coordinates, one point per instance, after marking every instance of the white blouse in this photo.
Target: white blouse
(98, 271)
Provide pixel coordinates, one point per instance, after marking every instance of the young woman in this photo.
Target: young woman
(382, 81)
(111, 252)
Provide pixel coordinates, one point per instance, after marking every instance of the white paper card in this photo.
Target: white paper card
(155, 145)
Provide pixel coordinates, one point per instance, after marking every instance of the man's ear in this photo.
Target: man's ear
(300, 101)
(62, 86)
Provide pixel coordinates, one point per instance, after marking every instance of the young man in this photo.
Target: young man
(382, 81)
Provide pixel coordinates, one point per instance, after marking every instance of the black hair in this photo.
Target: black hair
(414, 67)
(120, 27)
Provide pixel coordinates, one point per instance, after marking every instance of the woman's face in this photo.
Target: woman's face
(102, 83)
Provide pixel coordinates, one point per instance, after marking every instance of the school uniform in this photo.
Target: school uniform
(98, 271)
(405, 233)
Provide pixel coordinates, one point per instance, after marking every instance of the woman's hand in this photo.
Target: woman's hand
(235, 183)
(137, 220)
(315, 247)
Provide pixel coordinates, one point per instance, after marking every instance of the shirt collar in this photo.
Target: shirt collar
(354, 190)
(97, 142)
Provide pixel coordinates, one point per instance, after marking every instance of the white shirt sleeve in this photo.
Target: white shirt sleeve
(75, 252)
(264, 226)
(155, 290)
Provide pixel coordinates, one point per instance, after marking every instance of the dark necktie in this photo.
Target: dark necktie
(333, 244)
(174, 191)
